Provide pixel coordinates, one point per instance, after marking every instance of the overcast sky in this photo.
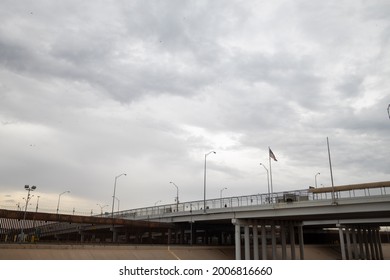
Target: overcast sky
(93, 89)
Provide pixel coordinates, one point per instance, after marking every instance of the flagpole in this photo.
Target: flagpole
(270, 172)
(331, 173)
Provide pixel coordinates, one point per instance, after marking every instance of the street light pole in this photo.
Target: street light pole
(204, 183)
(117, 199)
(28, 189)
(315, 178)
(101, 208)
(220, 194)
(36, 208)
(177, 196)
(113, 196)
(331, 173)
(269, 193)
(59, 198)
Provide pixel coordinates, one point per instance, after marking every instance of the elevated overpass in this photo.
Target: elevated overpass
(281, 221)
(356, 211)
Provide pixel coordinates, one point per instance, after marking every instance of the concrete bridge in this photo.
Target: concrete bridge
(261, 226)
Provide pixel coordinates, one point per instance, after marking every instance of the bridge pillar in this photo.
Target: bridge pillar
(263, 242)
(273, 240)
(182, 235)
(371, 243)
(255, 242)
(114, 234)
(301, 243)
(342, 245)
(292, 241)
(354, 244)
(276, 230)
(82, 235)
(366, 247)
(127, 235)
(177, 235)
(348, 238)
(283, 240)
(247, 243)
(237, 228)
(192, 233)
(379, 244)
(360, 241)
(169, 236)
(222, 238)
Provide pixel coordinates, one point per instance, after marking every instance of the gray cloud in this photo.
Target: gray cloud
(90, 90)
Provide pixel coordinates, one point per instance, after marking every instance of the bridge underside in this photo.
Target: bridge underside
(253, 238)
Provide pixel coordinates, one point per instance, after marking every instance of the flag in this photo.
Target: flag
(271, 155)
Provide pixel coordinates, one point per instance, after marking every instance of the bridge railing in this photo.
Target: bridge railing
(217, 203)
(326, 193)
(351, 192)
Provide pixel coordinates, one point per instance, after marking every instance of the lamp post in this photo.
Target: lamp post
(315, 178)
(59, 198)
(36, 208)
(220, 194)
(113, 196)
(177, 196)
(101, 208)
(117, 199)
(28, 189)
(269, 194)
(204, 183)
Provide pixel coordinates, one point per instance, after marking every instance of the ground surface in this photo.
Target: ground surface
(124, 252)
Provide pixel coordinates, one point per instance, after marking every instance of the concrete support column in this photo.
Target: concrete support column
(273, 238)
(177, 234)
(354, 244)
(371, 243)
(221, 239)
(342, 244)
(255, 242)
(263, 242)
(114, 235)
(238, 241)
(162, 239)
(348, 238)
(360, 241)
(376, 244)
(192, 234)
(247, 243)
(292, 240)
(283, 237)
(366, 247)
(82, 236)
(169, 236)
(301, 243)
(182, 236)
(380, 245)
